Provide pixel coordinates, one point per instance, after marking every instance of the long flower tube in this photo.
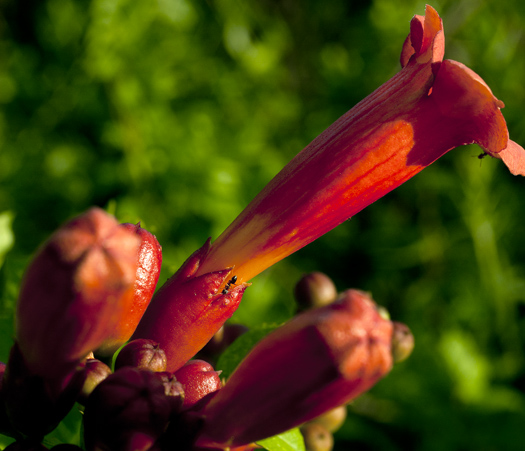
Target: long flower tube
(428, 108)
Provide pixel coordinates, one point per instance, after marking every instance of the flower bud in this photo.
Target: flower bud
(333, 419)
(75, 292)
(148, 270)
(95, 371)
(128, 407)
(402, 342)
(317, 437)
(143, 354)
(199, 379)
(187, 311)
(173, 389)
(314, 290)
(319, 360)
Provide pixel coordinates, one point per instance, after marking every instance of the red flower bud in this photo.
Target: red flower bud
(128, 407)
(148, 271)
(172, 388)
(187, 310)
(75, 292)
(321, 359)
(143, 354)
(199, 379)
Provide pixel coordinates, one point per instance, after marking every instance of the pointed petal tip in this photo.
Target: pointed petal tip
(426, 39)
(514, 158)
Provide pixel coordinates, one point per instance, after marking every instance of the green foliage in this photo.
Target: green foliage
(291, 440)
(177, 113)
(68, 431)
(6, 234)
(234, 354)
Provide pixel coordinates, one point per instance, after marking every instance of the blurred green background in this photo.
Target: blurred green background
(177, 112)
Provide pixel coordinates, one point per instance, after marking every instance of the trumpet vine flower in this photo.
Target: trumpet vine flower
(428, 108)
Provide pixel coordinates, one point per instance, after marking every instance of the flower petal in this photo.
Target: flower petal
(462, 95)
(426, 39)
(514, 158)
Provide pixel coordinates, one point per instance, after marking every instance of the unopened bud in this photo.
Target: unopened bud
(95, 371)
(314, 290)
(143, 354)
(187, 310)
(321, 359)
(173, 389)
(402, 342)
(129, 405)
(199, 379)
(333, 419)
(149, 262)
(75, 292)
(317, 437)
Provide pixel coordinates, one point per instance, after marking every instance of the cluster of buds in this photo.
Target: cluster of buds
(90, 289)
(84, 294)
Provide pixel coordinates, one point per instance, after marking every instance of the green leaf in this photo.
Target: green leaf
(230, 358)
(68, 431)
(291, 440)
(5, 441)
(7, 237)
(10, 277)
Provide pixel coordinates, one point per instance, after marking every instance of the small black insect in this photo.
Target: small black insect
(229, 284)
(482, 155)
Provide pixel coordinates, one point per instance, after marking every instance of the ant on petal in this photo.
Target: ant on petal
(230, 283)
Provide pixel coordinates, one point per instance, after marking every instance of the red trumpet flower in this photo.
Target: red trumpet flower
(430, 107)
